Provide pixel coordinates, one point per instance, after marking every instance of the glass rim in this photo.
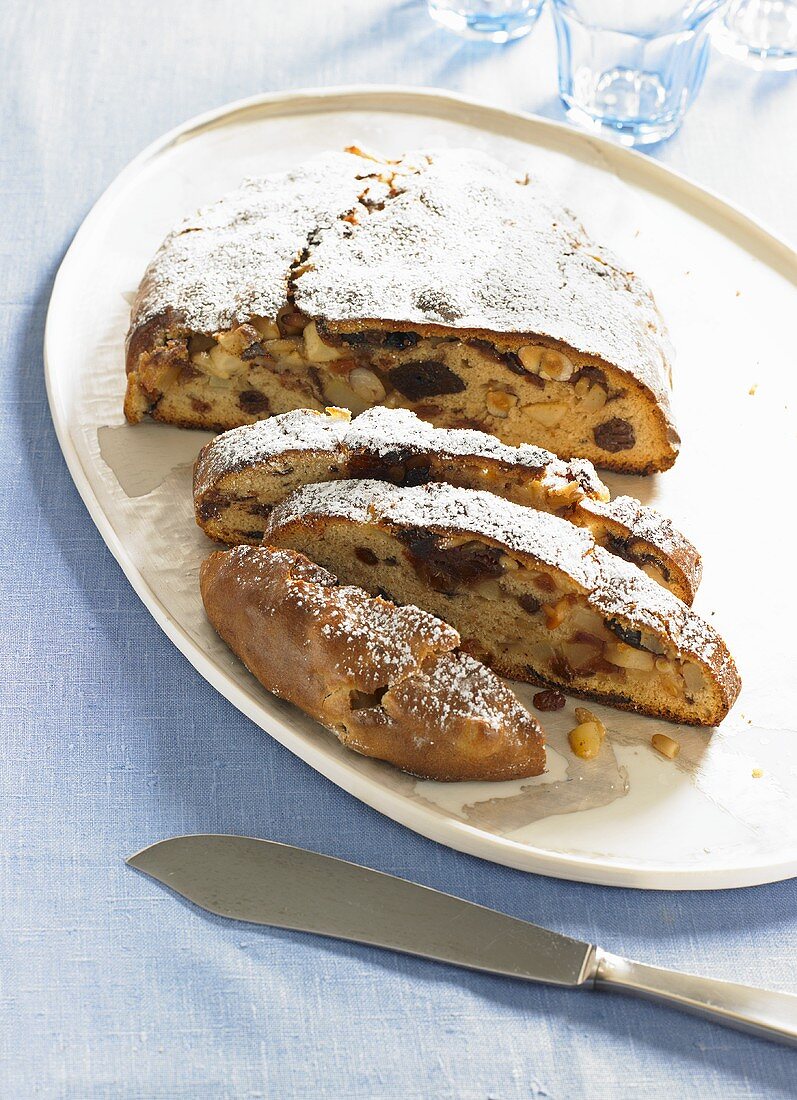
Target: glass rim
(690, 19)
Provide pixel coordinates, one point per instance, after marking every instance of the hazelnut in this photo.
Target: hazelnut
(366, 385)
(546, 362)
(499, 403)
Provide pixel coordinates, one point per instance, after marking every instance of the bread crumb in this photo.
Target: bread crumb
(738, 293)
(752, 389)
(758, 773)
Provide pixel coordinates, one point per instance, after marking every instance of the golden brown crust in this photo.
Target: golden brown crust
(388, 681)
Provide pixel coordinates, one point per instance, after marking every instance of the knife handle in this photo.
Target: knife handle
(763, 1012)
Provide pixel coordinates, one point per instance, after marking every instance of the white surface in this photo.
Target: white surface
(727, 291)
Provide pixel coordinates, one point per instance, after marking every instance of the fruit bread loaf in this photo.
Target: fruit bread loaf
(243, 473)
(441, 282)
(388, 681)
(531, 594)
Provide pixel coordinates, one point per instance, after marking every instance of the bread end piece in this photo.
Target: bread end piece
(388, 681)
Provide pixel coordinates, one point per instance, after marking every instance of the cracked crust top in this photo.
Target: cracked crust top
(450, 240)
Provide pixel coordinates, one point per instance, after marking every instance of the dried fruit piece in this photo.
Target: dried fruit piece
(253, 401)
(614, 435)
(425, 378)
(550, 699)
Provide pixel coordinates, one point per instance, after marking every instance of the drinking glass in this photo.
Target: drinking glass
(762, 33)
(489, 20)
(631, 68)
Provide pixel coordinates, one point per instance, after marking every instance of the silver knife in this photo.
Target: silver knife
(276, 884)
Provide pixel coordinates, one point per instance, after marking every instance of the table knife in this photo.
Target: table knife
(264, 882)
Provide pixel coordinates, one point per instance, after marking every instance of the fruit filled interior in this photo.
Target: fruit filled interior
(531, 393)
(527, 622)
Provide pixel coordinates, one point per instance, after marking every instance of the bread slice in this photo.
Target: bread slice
(531, 594)
(242, 474)
(388, 681)
(442, 282)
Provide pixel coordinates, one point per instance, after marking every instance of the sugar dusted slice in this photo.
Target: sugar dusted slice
(532, 595)
(243, 473)
(388, 681)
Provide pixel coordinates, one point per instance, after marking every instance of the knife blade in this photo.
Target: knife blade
(264, 882)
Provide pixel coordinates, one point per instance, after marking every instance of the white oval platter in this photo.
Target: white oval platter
(724, 814)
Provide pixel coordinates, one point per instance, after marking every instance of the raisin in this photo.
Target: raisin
(529, 603)
(441, 567)
(360, 339)
(258, 509)
(401, 340)
(255, 536)
(626, 634)
(550, 699)
(365, 555)
(200, 406)
(425, 378)
(399, 467)
(253, 401)
(614, 435)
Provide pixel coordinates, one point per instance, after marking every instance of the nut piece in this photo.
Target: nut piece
(594, 399)
(546, 362)
(366, 385)
(268, 330)
(547, 413)
(219, 363)
(499, 403)
(334, 413)
(585, 740)
(315, 348)
(584, 715)
(665, 745)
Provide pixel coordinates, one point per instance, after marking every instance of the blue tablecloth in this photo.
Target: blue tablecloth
(109, 985)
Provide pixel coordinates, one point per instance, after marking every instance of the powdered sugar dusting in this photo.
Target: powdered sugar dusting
(640, 520)
(232, 260)
(252, 444)
(467, 245)
(461, 689)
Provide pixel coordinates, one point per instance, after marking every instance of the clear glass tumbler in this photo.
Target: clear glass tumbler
(488, 20)
(762, 33)
(631, 68)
